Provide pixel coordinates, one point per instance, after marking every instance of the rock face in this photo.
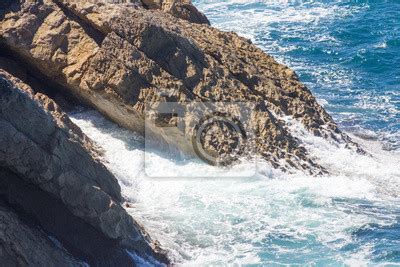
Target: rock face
(41, 147)
(120, 58)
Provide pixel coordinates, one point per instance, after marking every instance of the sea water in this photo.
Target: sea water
(348, 54)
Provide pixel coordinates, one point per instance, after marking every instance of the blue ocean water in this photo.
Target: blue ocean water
(348, 54)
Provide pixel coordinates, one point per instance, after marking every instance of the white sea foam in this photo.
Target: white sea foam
(382, 45)
(216, 221)
(272, 217)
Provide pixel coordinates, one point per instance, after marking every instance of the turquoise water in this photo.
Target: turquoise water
(348, 53)
(348, 218)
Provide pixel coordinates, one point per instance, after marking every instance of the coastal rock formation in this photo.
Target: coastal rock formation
(50, 171)
(128, 59)
(120, 58)
(182, 9)
(17, 240)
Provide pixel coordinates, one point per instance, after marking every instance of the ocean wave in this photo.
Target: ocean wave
(271, 217)
(344, 51)
(350, 216)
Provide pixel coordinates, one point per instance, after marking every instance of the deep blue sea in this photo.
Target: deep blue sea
(348, 54)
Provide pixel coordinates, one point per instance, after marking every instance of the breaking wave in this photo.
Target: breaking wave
(350, 216)
(347, 54)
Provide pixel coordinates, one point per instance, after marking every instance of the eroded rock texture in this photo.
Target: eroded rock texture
(119, 58)
(122, 57)
(183, 9)
(39, 144)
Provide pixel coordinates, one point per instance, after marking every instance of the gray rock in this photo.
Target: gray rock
(39, 143)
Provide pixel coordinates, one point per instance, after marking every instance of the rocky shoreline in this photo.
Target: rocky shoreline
(51, 174)
(119, 57)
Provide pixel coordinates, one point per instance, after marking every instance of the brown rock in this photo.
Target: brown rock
(183, 9)
(120, 58)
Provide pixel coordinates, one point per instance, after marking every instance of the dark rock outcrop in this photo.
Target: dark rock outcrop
(50, 171)
(49, 215)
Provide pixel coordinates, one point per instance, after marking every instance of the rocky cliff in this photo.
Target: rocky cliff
(50, 172)
(127, 59)
(120, 58)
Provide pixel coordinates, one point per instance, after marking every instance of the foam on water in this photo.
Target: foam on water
(272, 217)
(347, 53)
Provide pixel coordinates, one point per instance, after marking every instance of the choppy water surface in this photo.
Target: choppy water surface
(350, 217)
(348, 53)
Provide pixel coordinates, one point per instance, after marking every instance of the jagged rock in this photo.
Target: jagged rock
(45, 212)
(40, 144)
(123, 57)
(183, 9)
(120, 58)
